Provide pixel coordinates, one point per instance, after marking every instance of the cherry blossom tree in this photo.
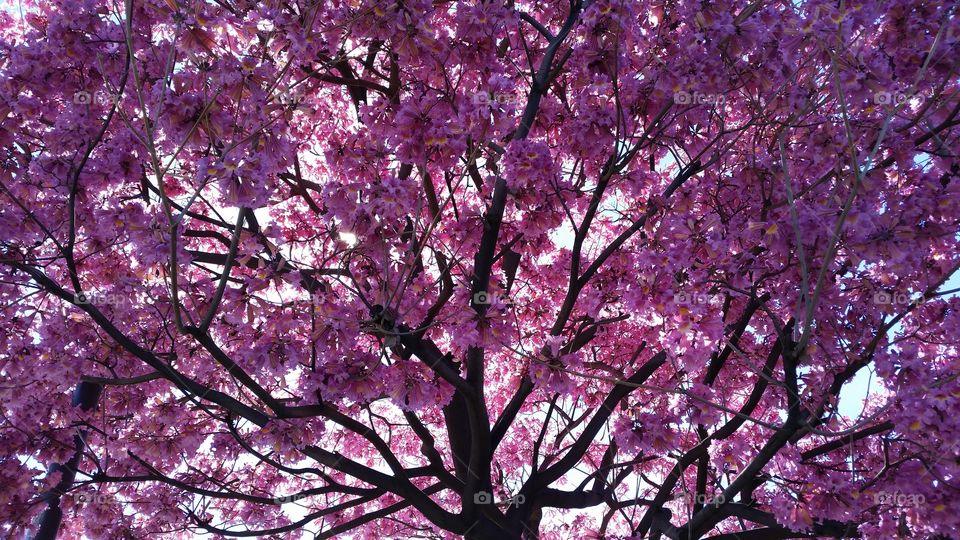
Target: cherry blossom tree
(491, 270)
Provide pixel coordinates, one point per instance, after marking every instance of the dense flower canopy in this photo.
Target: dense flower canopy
(495, 270)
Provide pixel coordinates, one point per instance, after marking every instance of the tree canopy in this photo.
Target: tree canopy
(475, 269)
